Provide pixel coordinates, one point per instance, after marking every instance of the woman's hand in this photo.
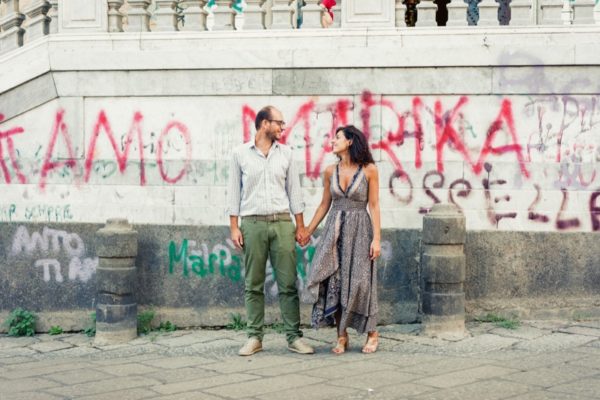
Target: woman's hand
(375, 250)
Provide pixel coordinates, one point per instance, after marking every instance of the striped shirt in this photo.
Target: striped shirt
(262, 185)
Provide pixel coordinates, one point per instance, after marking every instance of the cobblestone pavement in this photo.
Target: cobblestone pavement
(539, 360)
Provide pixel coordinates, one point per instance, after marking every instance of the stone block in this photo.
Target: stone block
(443, 304)
(116, 240)
(118, 281)
(443, 269)
(449, 229)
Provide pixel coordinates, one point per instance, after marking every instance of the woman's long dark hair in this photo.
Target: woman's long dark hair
(359, 149)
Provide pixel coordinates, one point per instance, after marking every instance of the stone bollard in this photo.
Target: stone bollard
(443, 272)
(116, 308)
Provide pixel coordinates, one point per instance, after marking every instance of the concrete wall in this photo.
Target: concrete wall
(502, 122)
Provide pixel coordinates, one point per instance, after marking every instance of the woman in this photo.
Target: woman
(343, 280)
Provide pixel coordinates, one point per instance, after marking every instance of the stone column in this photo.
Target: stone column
(194, 16)
(53, 15)
(115, 18)
(311, 15)
(138, 17)
(254, 15)
(116, 308)
(443, 272)
(283, 13)
(38, 23)
(166, 17)
(10, 25)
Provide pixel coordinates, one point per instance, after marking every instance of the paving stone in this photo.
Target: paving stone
(46, 347)
(299, 367)
(257, 361)
(265, 385)
(481, 344)
(197, 395)
(22, 385)
(103, 386)
(465, 376)
(78, 340)
(443, 366)
(74, 377)
(319, 391)
(202, 383)
(127, 369)
(9, 342)
(372, 380)
(582, 330)
(589, 387)
(33, 396)
(592, 362)
(407, 360)
(399, 391)
(180, 341)
(42, 368)
(489, 390)
(74, 352)
(348, 369)
(555, 375)
(131, 394)
(554, 342)
(126, 359)
(522, 332)
(15, 360)
(17, 352)
(542, 360)
(178, 362)
(180, 374)
(545, 395)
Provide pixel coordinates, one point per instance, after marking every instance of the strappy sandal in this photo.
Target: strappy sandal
(341, 345)
(371, 344)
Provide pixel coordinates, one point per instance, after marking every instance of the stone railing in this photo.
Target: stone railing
(23, 21)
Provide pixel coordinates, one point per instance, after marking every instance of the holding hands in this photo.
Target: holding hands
(302, 235)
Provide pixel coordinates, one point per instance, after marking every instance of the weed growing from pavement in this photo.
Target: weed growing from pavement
(90, 329)
(500, 321)
(144, 321)
(55, 330)
(21, 322)
(237, 323)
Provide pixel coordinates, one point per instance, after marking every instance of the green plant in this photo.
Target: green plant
(500, 321)
(144, 321)
(237, 323)
(167, 326)
(55, 330)
(21, 322)
(90, 330)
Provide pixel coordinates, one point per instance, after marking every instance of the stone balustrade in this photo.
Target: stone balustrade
(24, 21)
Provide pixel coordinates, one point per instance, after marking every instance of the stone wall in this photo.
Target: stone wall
(140, 126)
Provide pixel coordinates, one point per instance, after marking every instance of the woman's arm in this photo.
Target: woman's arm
(323, 207)
(373, 180)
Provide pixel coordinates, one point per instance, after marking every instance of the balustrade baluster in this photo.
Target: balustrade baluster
(10, 26)
(37, 24)
(410, 18)
(282, 12)
(53, 15)
(254, 15)
(566, 14)
(220, 15)
(472, 11)
(311, 14)
(504, 13)
(166, 16)
(115, 18)
(138, 17)
(597, 12)
(194, 15)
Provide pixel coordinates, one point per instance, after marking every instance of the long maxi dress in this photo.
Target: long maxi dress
(343, 275)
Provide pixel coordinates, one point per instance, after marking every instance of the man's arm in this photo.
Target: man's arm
(234, 198)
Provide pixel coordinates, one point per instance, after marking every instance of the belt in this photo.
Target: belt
(269, 217)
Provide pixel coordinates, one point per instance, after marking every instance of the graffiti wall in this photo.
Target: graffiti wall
(515, 162)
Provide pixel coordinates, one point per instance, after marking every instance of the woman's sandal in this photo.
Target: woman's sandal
(371, 344)
(341, 345)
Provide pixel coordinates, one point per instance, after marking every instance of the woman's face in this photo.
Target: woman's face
(339, 143)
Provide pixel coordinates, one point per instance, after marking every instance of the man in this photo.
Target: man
(264, 187)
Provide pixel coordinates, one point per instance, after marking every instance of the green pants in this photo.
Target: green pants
(274, 240)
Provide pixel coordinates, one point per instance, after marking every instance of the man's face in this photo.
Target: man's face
(275, 125)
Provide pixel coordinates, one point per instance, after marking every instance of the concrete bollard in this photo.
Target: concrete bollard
(116, 308)
(443, 272)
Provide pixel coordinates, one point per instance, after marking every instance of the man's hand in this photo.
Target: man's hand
(302, 235)
(237, 238)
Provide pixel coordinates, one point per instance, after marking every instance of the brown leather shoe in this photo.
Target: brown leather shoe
(298, 346)
(253, 345)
